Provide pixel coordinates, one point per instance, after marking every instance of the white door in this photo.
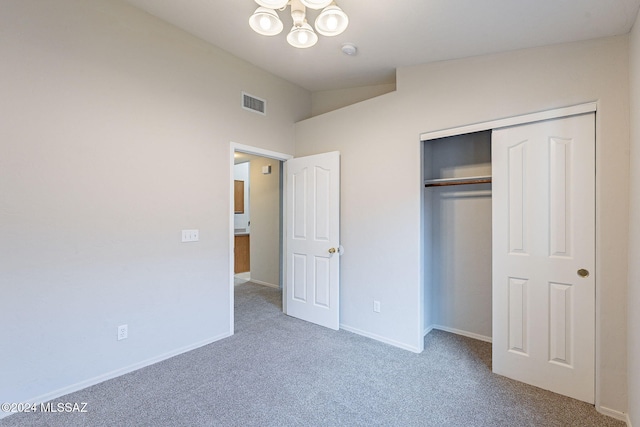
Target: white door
(544, 254)
(313, 238)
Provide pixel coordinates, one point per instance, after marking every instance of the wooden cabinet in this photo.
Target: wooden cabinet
(242, 251)
(238, 197)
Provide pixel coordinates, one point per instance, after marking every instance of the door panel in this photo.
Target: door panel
(312, 229)
(543, 233)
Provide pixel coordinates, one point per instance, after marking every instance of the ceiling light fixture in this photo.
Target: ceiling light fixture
(265, 21)
(273, 4)
(316, 4)
(330, 22)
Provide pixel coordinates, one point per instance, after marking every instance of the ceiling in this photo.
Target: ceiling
(391, 34)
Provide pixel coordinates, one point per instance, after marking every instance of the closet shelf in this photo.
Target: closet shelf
(485, 179)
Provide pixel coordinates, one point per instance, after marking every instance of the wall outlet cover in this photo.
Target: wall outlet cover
(123, 332)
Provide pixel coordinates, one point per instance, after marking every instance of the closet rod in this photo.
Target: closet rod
(461, 182)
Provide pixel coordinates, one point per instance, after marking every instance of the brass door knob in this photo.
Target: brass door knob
(583, 273)
(332, 250)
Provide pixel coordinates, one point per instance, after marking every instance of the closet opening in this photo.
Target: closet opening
(509, 244)
(458, 235)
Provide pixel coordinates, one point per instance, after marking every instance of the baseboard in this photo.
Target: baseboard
(116, 373)
(260, 282)
(380, 338)
(427, 330)
(460, 332)
(614, 414)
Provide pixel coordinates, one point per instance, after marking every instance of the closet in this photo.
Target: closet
(457, 223)
(509, 244)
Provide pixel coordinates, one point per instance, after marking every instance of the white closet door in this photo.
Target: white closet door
(544, 254)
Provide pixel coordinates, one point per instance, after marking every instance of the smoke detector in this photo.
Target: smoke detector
(349, 49)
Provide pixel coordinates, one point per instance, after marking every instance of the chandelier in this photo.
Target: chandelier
(330, 22)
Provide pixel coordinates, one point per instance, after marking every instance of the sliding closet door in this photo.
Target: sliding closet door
(544, 254)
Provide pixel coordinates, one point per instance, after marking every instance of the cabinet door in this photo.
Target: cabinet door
(242, 250)
(238, 197)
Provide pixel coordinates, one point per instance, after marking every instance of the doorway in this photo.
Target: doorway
(310, 270)
(256, 220)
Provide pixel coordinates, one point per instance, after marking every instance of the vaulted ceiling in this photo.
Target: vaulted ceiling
(391, 34)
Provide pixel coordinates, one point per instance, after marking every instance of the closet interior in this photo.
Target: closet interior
(457, 234)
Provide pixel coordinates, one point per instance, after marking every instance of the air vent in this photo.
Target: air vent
(255, 104)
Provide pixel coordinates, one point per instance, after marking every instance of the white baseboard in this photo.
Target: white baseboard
(459, 332)
(116, 373)
(380, 338)
(614, 414)
(260, 282)
(427, 330)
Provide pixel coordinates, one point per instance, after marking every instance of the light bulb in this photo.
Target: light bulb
(332, 22)
(265, 23)
(303, 38)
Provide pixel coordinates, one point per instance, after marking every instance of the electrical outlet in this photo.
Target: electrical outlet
(123, 332)
(376, 306)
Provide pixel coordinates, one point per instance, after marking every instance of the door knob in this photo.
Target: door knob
(332, 250)
(583, 273)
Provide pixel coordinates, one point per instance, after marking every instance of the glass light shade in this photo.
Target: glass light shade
(273, 4)
(316, 4)
(302, 36)
(332, 21)
(266, 22)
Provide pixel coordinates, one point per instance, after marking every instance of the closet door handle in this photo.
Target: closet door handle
(332, 250)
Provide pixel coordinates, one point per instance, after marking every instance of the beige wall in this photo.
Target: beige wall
(381, 179)
(264, 194)
(634, 232)
(116, 132)
(329, 100)
(115, 136)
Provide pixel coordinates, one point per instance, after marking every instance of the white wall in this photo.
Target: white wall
(115, 135)
(381, 179)
(633, 322)
(458, 280)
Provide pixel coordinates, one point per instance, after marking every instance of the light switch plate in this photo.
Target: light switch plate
(190, 235)
(376, 306)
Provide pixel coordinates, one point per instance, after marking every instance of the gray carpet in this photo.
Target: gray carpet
(280, 371)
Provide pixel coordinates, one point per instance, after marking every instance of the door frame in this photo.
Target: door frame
(589, 107)
(256, 151)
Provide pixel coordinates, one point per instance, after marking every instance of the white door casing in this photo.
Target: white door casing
(543, 235)
(312, 239)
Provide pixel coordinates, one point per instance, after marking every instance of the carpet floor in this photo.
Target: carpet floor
(280, 371)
